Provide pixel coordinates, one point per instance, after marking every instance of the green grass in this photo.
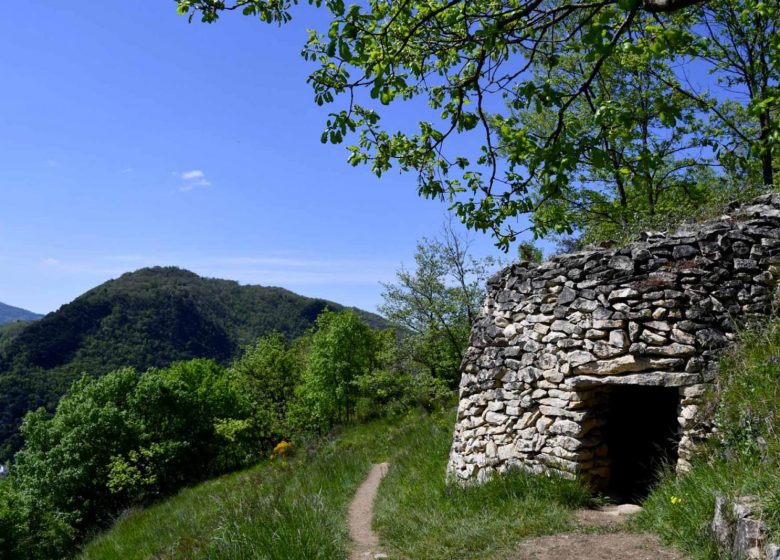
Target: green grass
(296, 509)
(418, 517)
(743, 460)
(280, 510)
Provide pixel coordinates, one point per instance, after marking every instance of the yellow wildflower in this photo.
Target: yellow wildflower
(282, 449)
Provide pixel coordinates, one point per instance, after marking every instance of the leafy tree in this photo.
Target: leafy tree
(342, 349)
(743, 47)
(113, 442)
(528, 252)
(438, 302)
(268, 373)
(476, 62)
(647, 164)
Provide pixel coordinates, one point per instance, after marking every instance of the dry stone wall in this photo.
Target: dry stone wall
(554, 339)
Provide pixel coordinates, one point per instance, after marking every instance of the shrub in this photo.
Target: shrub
(120, 440)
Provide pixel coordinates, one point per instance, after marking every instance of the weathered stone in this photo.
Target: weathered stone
(586, 305)
(609, 324)
(579, 357)
(672, 350)
(625, 364)
(552, 338)
(661, 326)
(622, 294)
(619, 339)
(495, 418)
(604, 350)
(649, 379)
(684, 252)
(595, 334)
(650, 337)
(566, 296)
(721, 527)
(623, 264)
(772, 552)
(749, 531)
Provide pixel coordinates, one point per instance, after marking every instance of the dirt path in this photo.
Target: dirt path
(365, 542)
(611, 544)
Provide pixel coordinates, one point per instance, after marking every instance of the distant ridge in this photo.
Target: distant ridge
(9, 314)
(147, 318)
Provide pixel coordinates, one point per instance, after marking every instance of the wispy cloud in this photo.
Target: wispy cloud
(127, 170)
(192, 179)
(51, 262)
(194, 174)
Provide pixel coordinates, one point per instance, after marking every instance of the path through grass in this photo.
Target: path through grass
(297, 509)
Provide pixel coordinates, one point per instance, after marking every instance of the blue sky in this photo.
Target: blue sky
(130, 138)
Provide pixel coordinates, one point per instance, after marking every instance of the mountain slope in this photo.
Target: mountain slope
(148, 318)
(9, 314)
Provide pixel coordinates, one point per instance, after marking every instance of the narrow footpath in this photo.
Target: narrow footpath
(365, 542)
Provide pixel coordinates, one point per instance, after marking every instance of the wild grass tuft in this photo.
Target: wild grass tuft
(295, 509)
(284, 509)
(741, 460)
(420, 517)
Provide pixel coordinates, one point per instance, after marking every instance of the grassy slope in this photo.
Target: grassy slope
(297, 509)
(419, 518)
(746, 459)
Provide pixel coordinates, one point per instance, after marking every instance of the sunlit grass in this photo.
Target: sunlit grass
(296, 509)
(419, 517)
(742, 461)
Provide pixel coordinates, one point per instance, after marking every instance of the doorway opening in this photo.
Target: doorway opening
(642, 435)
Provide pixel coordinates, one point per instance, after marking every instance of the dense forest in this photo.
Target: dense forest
(144, 319)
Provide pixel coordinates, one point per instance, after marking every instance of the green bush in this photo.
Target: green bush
(343, 348)
(267, 374)
(124, 439)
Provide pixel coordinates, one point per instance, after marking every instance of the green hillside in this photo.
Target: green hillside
(148, 318)
(296, 509)
(9, 314)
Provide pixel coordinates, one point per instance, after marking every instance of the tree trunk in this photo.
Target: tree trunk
(767, 169)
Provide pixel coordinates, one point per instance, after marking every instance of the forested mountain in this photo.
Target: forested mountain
(148, 318)
(9, 314)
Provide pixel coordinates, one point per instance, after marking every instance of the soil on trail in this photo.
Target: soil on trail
(610, 545)
(365, 542)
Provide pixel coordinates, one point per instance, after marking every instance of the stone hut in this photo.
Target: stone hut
(595, 364)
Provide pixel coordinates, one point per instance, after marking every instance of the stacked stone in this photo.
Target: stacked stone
(553, 338)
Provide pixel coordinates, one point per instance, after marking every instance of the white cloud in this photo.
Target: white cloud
(194, 174)
(192, 179)
(51, 262)
(127, 170)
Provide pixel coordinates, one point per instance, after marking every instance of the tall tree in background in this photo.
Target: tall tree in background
(438, 301)
(641, 152)
(342, 349)
(269, 372)
(471, 60)
(743, 46)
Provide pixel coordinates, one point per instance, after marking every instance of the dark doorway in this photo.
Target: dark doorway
(642, 435)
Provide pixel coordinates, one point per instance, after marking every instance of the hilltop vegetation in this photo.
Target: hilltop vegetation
(144, 319)
(127, 438)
